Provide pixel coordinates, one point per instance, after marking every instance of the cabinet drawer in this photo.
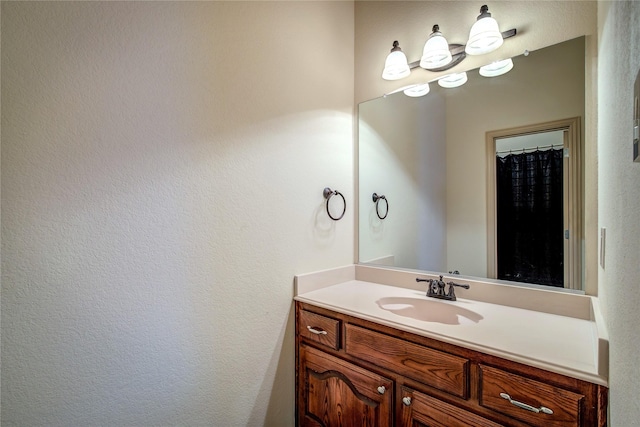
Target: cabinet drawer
(543, 404)
(420, 409)
(434, 368)
(321, 329)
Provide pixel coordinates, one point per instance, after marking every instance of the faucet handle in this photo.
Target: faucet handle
(460, 285)
(451, 295)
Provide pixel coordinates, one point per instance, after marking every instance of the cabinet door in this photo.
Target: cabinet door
(333, 392)
(421, 410)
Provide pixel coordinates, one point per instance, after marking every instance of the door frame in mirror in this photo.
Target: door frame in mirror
(572, 187)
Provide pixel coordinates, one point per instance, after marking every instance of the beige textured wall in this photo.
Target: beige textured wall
(162, 174)
(619, 202)
(134, 160)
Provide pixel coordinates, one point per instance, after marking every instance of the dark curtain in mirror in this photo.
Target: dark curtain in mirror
(530, 217)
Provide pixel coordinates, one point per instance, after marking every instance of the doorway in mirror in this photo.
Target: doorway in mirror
(530, 208)
(534, 181)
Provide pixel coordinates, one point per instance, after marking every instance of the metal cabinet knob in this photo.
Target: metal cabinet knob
(406, 400)
(382, 389)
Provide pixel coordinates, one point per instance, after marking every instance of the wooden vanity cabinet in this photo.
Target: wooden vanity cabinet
(353, 372)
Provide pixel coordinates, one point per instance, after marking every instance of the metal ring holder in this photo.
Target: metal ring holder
(376, 200)
(328, 193)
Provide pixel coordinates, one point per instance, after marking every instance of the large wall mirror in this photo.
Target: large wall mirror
(438, 161)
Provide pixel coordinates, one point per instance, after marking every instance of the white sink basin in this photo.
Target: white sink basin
(429, 310)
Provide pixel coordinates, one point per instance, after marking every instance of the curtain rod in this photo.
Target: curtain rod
(524, 150)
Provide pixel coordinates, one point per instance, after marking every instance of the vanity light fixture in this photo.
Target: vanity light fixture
(485, 35)
(396, 66)
(453, 80)
(497, 68)
(436, 52)
(417, 90)
(438, 55)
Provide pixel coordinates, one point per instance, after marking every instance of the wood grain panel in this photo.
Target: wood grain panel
(428, 411)
(434, 368)
(338, 393)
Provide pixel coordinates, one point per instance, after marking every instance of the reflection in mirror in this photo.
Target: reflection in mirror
(533, 180)
(529, 209)
(430, 157)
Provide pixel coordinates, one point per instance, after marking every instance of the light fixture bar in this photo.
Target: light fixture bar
(509, 33)
(458, 53)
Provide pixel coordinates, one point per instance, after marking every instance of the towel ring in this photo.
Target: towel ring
(328, 193)
(376, 200)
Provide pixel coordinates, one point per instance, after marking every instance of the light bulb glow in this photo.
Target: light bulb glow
(436, 52)
(453, 80)
(497, 68)
(484, 36)
(417, 90)
(396, 66)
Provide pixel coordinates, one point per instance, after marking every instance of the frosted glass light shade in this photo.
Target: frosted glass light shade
(485, 35)
(497, 68)
(436, 52)
(417, 90)
(453, 80)
(396, 66)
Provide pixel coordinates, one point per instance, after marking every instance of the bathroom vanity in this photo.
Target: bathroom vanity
(372, 349)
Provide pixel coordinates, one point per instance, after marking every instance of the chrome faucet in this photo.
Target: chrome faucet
(436, 288)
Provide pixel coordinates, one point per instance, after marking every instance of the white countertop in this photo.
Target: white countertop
(567, 345)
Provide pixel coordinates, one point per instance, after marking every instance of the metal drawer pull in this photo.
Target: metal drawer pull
(382, 389)
(316, 331)
(406, 400)
(525, 406)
